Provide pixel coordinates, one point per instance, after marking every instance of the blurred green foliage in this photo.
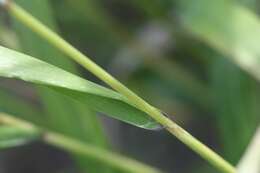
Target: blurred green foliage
(185, 57)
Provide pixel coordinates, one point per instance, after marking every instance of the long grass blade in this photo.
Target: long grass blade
(75, 146)
(63, 114)
(17, 65)
(141, 104)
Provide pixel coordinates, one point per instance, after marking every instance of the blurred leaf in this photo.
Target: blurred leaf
(94, 30)
(154, 8)
(139, 51)
(250, 162)
(63, 114)
(23, 109)
(17, 65)
(235, 33)
(13, 136)
(237, 97)
(7, 37)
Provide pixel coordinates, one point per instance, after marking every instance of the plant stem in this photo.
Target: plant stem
(77, 147)
(105, 156)
(83, 60)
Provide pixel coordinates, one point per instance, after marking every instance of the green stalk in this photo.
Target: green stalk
(77, 147)
(83, 60)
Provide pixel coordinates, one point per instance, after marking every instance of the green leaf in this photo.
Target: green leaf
(13, 136)
(251, 158)
(22, 109)
(235, 33)
(62, 114)
(237, 98)
(17, 65)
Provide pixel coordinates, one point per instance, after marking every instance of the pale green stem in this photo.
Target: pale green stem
(77, 147)
(83, 60)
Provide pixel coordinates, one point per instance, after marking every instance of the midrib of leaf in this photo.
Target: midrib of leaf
(63, 114)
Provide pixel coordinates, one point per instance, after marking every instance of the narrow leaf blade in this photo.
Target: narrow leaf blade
(13, 137)
(20, 66)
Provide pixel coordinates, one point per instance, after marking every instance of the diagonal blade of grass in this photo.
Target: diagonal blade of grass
(73, 53)
(17, 65)
(180, 78)
(63, 114)
(75, 146)
(13, 137)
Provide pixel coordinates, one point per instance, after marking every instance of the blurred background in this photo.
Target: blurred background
(181, 56)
